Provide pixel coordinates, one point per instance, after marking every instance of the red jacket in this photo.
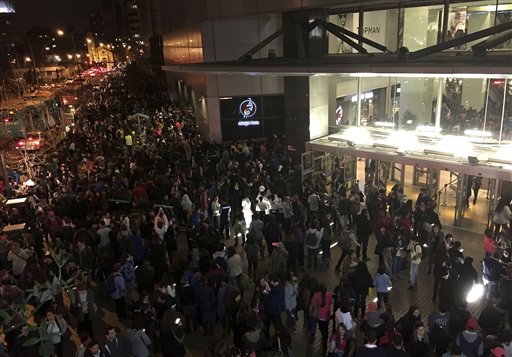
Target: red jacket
(489, 245)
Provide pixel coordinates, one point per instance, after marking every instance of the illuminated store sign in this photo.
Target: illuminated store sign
(248, 108)
(249, 123)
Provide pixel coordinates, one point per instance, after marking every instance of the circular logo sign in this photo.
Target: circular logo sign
(248, 108)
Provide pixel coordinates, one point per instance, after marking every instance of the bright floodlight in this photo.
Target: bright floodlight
(476, 292)
(358, 135)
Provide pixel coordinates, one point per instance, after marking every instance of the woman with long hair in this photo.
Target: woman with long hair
(322, 302)
(340, 344)
(502, 216)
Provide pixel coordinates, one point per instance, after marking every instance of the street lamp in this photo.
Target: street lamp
(60, 32)
(70, 56)
(28, 59)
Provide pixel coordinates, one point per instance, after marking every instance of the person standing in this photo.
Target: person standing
(291, 292)
(119, 291)
(415, 252)
(116, 346)
(313, 238)
(84, 309)
(382, 284)
(235, 268)
(322, 301)
(55, 326)
(502, 216)
(128, 271)
(363, 231)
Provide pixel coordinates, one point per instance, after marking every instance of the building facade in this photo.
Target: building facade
(340, 78)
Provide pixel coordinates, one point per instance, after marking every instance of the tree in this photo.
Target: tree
(19, 315)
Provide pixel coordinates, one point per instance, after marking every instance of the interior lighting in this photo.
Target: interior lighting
(405, 140)
(358, 135)
(428, 128)
(478, 133)
(476, 292)
(385, 124)
(503, 152)
(458, 145)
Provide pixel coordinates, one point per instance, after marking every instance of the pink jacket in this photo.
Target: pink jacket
(324, 313)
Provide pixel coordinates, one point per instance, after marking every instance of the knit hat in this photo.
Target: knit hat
(372, 306)
(472, 324)
(498, 352)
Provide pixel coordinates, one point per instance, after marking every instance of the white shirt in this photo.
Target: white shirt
(82, 295)
(415, 251)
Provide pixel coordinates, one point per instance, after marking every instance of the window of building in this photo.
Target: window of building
(422, 27)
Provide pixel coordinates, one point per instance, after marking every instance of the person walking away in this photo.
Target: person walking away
(325, 243)
(322, 299)
(235, 268)
(415, 252)
(361, 281)
(383, 285)
(118, 291)
(313, 238)
(501, 217)
(363, 231)
(251, 252)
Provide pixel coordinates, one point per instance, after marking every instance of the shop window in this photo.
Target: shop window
(422, 27)
(381, 27)
(417, 102)
(350, 22)
(463, 109)
(346, 102)
(504, 14)
(467, 18)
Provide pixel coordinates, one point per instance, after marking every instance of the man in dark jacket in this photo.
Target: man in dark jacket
(363, 231)
(397, 348)
(274, 303)
(116, 346)
(492, 269)
(370, 348)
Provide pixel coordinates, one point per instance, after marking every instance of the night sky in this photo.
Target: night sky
(54, 13)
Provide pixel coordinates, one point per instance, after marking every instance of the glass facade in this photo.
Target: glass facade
(477, 107)
(422, 26)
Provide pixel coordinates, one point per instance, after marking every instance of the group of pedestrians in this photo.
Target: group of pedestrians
(179, 235)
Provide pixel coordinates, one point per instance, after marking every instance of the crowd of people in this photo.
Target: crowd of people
(114, 210)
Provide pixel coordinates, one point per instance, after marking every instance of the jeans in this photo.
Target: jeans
(323, 326)
(312, 255)
(397, 264)
(414, 274)
(312, 326)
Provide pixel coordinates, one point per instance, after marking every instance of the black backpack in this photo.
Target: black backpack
(311, 239)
